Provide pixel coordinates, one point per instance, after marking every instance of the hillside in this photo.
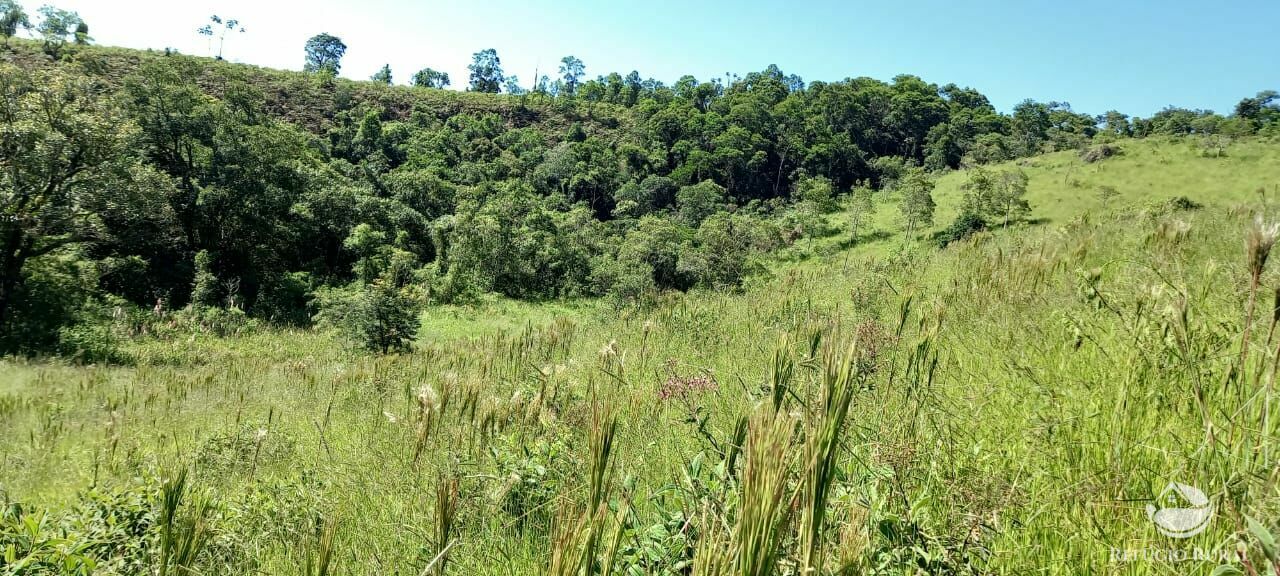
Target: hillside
(314, 102)
(1015, 401)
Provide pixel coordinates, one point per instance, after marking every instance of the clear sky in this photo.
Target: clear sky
(1134, 56)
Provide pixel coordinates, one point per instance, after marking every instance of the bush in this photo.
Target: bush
(818, 192)
(695, 203)
(1182, 204)
(804, 221)
(965, 225)
(1099, 153)
(377, 316)
(722, 257)
(221, 322)
(90, 343)
(51, 294)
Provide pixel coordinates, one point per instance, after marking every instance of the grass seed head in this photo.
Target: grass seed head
(1258, 243)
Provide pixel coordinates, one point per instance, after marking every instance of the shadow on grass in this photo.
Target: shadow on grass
(876, 236)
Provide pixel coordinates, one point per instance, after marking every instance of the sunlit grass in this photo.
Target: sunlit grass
(1032, 391)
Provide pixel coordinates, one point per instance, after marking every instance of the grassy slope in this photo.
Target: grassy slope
(311, 101)
(1027, 446)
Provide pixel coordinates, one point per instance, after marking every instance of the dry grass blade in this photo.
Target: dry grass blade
(446, 512)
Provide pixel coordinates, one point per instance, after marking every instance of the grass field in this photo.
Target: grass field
(1010, 404)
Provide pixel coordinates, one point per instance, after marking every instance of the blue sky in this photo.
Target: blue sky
(1133, 56)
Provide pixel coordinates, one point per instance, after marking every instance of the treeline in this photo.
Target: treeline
(176, 189)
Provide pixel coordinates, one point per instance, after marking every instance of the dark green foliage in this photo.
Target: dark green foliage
(383, 75)
(486, 71)
(428, 78)
(816, 191)
(965, 225)
(204, 290)
(249, 192)
(695, 203)
(12, 19)
(67, 178)
(377, 316)
(996, 196)
(106, 532)
(511, 241)
(48, 295)
(635, 199)
(324, 54)
(721, 256)
(646, 261)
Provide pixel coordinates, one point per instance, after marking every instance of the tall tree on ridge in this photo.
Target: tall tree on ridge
(324, 54)
(486, 71)
(572, 70)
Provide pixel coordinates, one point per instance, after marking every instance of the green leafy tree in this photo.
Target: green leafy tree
(1031, 123)
(378, 316)
(383, 75)
(1116, 123)
(81, 34)
(12, 19)
(817, 192)
(65, 167)
(915, 201)
(1011, 195)
(572, 70)
(996, 196)
(324, 54)
(636, 199)
(648, 260)
(220, 28)
(512, 85)
(861, 207)
(56, 27)
(204, 288)
(486, 71)
(428, 78)
(1262, 109)
(697, 202)
(721, 258)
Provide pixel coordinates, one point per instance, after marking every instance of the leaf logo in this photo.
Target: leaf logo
(1188, 512)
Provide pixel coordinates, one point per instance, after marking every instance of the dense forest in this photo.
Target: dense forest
(138, 183)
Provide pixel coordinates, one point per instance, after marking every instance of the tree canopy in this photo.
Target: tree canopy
(486, 71)
(355, 203)
(324, 54)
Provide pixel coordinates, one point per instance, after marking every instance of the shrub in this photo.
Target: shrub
(1099, 153)
(51, 294)
(695, 203)
(204, 288)
(996, 196)
(377, 316)
(221, 322)
(818, 192)
(722, 257)
(965, 225)
(90, 343)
